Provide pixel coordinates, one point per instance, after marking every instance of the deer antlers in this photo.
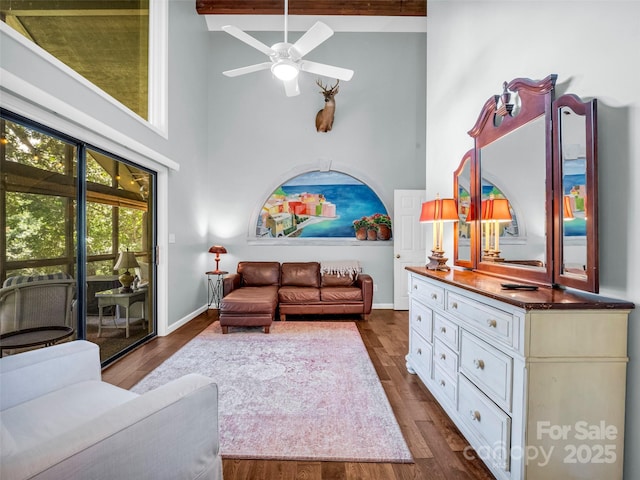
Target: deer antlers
(333, 90)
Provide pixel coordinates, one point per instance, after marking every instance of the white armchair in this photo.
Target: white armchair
(59, 420)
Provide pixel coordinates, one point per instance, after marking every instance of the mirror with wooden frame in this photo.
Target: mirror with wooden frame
(526, 153)
(463, 193)
(576, 179)
(513, 157)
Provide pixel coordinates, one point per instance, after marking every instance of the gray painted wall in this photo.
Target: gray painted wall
(473, 46)
(188, 188)
(259, 138)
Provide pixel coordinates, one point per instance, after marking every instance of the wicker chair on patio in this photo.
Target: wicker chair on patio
(36, 310)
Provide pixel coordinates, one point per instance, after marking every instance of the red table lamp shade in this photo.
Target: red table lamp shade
(440, 209)
(217, 249)
(496, 209)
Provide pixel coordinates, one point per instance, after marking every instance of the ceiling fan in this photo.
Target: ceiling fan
(286, 60)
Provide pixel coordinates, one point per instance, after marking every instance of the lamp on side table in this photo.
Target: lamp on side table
(214, 287)
(126, 260)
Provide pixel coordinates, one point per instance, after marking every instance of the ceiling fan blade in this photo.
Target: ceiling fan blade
(326, 70)
(317, 34)
(249, 69)
(248, 39)
(291, 87)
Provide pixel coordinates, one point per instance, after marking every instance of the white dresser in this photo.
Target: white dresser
(534, 380)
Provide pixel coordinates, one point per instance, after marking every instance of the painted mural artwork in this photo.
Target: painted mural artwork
(574, 184)
(323, 205)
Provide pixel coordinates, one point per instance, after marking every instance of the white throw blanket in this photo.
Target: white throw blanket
(341, 267)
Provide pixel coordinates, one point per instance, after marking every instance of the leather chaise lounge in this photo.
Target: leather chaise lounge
(250, 296)
(258, 290)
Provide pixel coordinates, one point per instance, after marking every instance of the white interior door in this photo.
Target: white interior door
(409, 247)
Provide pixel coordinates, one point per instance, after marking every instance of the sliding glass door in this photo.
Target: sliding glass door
(118, 244)
(69, 209)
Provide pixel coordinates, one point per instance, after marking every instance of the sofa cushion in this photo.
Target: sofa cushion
(34, 422)
(341, 294)
(300, 274)
(257, 274)
(20, 279)
(298, 294)
(247, 300)
(337, 280)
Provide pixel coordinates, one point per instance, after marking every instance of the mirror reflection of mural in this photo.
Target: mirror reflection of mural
(574, 183)
(323, 204)
(464, 212)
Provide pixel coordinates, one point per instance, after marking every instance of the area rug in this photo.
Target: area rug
(305, 391)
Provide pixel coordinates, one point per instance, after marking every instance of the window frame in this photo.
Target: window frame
(158, 95)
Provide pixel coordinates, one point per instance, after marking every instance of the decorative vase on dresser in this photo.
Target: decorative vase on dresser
(535, 380)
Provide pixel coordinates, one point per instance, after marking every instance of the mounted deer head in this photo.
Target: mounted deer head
(324, 118)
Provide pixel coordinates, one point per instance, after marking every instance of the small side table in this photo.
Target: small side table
(214, 293)
(33, 337)
(121, 299)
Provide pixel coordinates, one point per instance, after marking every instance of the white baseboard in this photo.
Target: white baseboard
(184, 320)
(382, 306)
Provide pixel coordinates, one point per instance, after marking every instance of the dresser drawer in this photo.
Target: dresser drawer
(421, 355)
(427, 293)
(491, 320)
(445, 358)
(446, 330)
(489, 368)
(445, 384)
(487, 421)
(421, 319)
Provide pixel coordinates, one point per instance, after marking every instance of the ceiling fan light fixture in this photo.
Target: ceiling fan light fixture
(285, 70)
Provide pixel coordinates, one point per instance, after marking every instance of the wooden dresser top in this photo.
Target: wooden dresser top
(544, 298)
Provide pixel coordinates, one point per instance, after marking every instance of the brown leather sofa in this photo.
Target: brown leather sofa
(258, 290)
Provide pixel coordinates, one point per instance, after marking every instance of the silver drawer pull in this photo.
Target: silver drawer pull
(443, 356)
(419, 318)
(443, 329)
(492, 323)
(454, 305)
(419, 351)
(475, 415)
(479, 364)
(415, 287)
(434, 296)
(442, 383)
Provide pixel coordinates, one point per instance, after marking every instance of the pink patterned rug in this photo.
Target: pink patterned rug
(305, 391)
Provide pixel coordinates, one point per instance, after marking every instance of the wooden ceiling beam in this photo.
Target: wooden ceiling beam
(391, 8)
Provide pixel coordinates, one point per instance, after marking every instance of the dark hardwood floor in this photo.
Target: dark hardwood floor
(437, 446)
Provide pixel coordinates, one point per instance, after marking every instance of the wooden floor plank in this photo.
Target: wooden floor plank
(437, 446)
(308, 471)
